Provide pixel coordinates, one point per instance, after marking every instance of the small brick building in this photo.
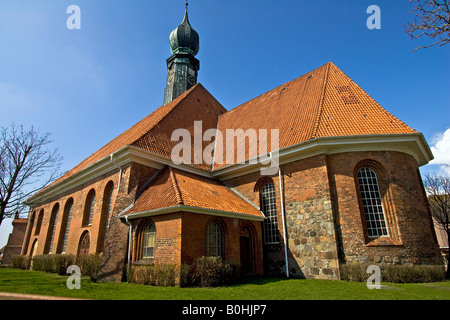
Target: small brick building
(15, 240)
(346, 186)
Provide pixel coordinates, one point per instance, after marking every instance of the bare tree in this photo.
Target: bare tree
(431, 20)
(26, 166)
(438, 189)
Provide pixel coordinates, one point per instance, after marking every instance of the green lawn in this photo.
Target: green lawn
(34, 282)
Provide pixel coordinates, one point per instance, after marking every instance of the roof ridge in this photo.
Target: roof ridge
(175, 186)
(322, 99)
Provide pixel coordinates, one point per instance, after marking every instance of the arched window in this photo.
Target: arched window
(269, 208)
(52, 228)
(85, 242)
(105, 215)
(213, 240)
(65, 226)
(34, 248)
(148, 242)
(89, 208)
(371, 203)
(39, 223)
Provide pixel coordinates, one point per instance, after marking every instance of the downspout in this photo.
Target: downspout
(284, 226)
(129, 239)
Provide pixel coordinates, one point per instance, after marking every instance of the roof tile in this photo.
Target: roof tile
(177, 187)
(322, 103)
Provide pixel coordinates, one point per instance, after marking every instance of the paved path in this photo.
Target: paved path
(19, 296)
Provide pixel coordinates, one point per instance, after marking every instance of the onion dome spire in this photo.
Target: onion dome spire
(184, 38)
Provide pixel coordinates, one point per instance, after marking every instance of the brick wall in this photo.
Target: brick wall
(411, 238)
(168, 238)
(324, 220)
(132, 178)
(115, 252)
(78, 195)
(194, 238)
(181, 238)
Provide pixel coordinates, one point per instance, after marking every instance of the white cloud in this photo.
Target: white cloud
(441, 151)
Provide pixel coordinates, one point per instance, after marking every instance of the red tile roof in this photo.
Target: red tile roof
(176, 187)
(322, 103)
(153, 133)
(20, 220)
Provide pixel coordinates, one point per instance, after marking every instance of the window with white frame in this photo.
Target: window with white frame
(371, 202)
(213, 240)
(269, 207)
(148, 242)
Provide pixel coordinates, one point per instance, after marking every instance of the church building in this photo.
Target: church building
(307, 177)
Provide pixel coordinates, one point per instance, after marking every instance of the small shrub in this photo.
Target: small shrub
(168, 275)
(44, 263)
(187, 278)
(205, 272)
(89, 265)
(212, 272)
(154, 274)
(20, 262)
(395, 273)
(53, 263)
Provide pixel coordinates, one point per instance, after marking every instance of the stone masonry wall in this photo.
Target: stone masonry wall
(312, 250)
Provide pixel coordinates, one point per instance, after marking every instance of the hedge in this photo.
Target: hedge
(395, 273)
(58, 263)
(204, 272)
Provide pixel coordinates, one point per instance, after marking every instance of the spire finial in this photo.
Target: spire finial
(187, 4)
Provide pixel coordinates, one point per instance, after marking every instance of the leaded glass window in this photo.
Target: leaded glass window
(68, 215)
(54, 220)
(89, 208)
(269, 207)
(213, 240)
(371, 201)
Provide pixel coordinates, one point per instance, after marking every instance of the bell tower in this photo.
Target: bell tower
(182, 66)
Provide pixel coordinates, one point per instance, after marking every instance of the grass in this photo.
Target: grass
(35, 282)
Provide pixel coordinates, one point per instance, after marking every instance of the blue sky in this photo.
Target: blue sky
(87, 86)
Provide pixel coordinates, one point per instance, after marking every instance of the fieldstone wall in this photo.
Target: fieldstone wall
(311, 237)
